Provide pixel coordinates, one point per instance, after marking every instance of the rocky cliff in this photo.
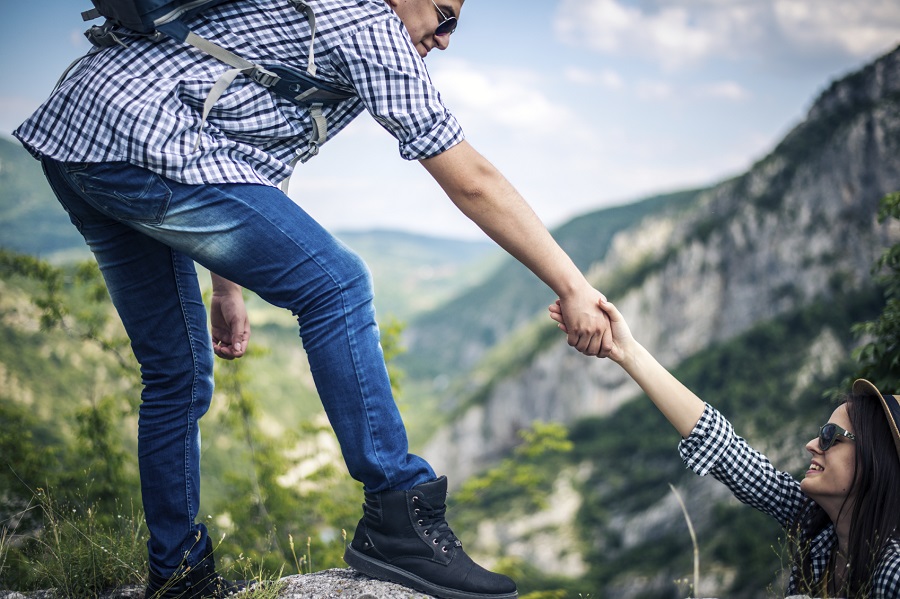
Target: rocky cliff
(799, 226)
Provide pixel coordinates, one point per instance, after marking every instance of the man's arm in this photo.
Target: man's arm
(484, 195)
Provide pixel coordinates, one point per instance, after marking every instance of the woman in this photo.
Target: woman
(842, 517)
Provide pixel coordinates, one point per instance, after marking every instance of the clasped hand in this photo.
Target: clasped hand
(586, 326)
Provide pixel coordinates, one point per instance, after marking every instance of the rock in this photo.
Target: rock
(327, 584)
(343, 584)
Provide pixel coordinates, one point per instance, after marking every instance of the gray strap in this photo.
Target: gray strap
(218, 88)
(318, 137)
(287, 180)
(217, 51)
(71, 66)
(311, 17)
(320, 128)
(263, 76)
(241, 65)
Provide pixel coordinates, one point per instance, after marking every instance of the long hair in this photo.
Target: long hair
(874, 517)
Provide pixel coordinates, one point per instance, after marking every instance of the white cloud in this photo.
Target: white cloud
(860, 28)
(725, 90)
(607, 78)
(654, 91)
(76, 38)
(509, 98)
(672, 35)
(678, 33)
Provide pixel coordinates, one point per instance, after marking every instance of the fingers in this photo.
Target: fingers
(224, 350)
(589, 345)
(229, 350)
(606, 343)
(556, 315)
(596, 341)
(611, 311)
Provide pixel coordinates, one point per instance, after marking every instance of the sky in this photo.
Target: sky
(581, 104)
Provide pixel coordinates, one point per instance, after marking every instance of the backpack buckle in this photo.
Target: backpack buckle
(264, 77)
(103, 37)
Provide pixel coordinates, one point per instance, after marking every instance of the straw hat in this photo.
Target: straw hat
(890, 403)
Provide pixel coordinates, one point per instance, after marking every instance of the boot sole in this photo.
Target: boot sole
(382, 571)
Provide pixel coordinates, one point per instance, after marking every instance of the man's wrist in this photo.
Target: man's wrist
(222, 286)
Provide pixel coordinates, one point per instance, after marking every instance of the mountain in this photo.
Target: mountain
(31, 220)
(452, 339)
(748, 289)
(691, 269)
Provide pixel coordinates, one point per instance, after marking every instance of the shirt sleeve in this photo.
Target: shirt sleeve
(714, 448)
(396, 89)
(886, 580)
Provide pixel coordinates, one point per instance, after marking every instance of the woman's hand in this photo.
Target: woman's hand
(622, 340)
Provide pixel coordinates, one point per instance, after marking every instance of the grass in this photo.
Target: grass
(75, 551)
(82, 554)
(696, 582)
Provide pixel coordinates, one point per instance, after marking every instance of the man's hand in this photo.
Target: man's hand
(228, 320)
(587, 327)
(618, 335)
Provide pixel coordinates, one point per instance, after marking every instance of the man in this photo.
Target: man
(153, 188)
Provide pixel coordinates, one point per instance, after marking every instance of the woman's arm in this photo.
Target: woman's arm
(709, 445)
(681, 407)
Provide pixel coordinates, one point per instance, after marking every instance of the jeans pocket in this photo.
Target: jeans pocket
(123, 191)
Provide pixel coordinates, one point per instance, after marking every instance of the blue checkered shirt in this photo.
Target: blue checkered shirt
(714, 448)
(142, 104)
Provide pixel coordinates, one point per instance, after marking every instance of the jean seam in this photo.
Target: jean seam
(354, 354)
(190, 412)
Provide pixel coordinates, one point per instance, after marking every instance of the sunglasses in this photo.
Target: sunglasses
(829, 433)
(447, 24)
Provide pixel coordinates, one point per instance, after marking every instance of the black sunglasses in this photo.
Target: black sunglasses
(829, 433)
(447, 24)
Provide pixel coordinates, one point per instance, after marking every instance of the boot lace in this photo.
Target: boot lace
(435, 524)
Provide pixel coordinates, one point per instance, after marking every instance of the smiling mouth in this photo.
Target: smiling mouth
(815, 468)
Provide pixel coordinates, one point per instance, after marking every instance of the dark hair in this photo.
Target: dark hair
(874, 517)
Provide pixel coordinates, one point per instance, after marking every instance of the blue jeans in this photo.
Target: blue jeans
(146, 232)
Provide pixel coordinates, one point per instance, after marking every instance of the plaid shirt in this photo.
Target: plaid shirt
(142, 104)
(714, 448)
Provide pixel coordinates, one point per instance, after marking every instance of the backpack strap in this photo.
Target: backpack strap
(298, 87)
(258, 73)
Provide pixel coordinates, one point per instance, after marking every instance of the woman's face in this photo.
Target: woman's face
(829, 478)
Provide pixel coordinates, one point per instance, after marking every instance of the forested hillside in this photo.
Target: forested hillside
(749, 290)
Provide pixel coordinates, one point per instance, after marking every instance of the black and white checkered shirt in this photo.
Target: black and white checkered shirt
(142, 104)
(714, 448)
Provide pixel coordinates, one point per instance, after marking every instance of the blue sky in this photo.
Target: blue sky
(580, 103)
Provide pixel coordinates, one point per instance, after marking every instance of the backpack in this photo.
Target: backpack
(157, 19)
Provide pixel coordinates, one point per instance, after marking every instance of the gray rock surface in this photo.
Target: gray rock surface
(343, 584)
(327, 584)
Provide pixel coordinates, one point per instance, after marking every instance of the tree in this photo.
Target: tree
(879, 358)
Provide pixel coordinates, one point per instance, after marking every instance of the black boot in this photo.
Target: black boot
(198, 582)
(404, 538)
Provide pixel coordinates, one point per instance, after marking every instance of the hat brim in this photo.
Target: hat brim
(890, 404)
